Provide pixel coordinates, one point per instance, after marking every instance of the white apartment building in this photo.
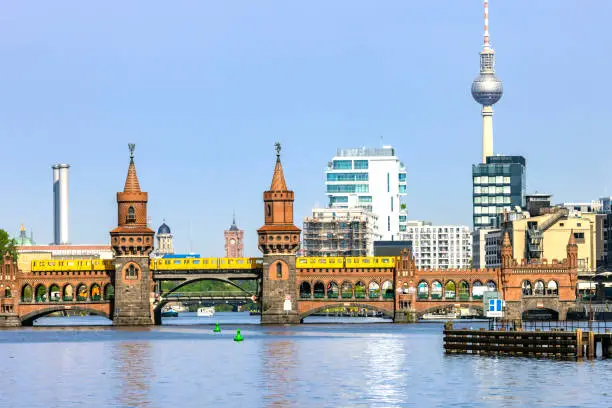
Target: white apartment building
(339, 232)
(439, 246)
(370, 178)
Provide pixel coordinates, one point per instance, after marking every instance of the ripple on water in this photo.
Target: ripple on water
(322, 365)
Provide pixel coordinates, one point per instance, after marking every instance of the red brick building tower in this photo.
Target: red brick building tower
(132, 242)
(279, 240)
(234, 246)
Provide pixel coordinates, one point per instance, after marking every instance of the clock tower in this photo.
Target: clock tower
(234, 241)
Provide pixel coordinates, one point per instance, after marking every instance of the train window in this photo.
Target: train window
(178, 261)
(302, 261)
(240, 261)
(322, 261)
(366, 261)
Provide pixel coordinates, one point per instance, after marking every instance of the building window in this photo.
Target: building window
(279, 270)
(402, 177)
(391, 204)
(131, 272)
(388, 183)
(348, 188)
(131, 215)
(347, 176)
(364, 199)
(269, 210)
(343, 164)
(388, 223)
(360, 164)
(402, 218)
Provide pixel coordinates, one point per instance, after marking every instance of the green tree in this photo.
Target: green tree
(7, 245)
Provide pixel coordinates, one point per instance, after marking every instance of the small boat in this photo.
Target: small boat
(170, 313)
(206, 312)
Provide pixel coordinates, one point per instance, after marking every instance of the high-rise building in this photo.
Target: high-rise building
(234, 237)
(165, 244)
(439, 246)
(487, 88)
(340, 232)
(499, 185)
(370, 178)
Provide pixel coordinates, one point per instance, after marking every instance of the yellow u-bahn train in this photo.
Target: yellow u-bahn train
(49, 265)
(172, 264)
(339, 262)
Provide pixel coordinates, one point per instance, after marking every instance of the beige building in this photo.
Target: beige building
(545, 237)
(28, 253)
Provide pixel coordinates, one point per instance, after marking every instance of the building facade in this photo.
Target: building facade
(234, 237)
(375, 178)
(340, 232)
(498, 186)
(439, 246)
(544, 236)
(165, 244)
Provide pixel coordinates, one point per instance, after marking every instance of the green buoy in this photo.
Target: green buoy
(238, 336)
(217, 329)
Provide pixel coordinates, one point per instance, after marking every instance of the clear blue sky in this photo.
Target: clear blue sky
(204, 89)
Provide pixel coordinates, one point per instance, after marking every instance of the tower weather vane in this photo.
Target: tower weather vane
(277, 146)
(131, 146)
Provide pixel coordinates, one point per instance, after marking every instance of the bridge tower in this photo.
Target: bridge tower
(279, 240)
(132, 242)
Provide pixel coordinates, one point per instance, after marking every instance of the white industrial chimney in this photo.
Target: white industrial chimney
(60, 204)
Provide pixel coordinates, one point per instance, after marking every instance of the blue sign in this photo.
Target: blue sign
(495, 305)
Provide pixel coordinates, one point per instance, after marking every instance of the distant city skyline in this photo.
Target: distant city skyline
(205, 90)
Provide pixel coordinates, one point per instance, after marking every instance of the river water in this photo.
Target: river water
(359, 364)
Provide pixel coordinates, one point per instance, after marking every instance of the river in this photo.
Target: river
(358, 364)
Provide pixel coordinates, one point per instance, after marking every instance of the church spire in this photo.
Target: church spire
(278, 178)
(131, 182)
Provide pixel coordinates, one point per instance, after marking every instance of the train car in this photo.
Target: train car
(240, 263)
(370, 262)
(320, 262)
(102, 265)
(171, 264)
(67, 265)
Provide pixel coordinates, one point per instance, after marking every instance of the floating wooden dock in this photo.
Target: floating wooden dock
(555, 344)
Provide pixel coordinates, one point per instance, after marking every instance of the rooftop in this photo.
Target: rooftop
(385, 151)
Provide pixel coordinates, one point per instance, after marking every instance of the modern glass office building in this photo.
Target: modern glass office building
(499, 184)
(370, 178)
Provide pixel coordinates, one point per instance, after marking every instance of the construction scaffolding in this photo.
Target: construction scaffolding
(334, 234)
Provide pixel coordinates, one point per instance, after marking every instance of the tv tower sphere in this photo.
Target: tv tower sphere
(487, 89)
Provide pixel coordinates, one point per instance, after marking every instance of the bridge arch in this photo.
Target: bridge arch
(68, 293)
(40, 293)
(319, 290)
(28, 319)
(449, 305)
(305, 290)
(369, 306)
(205, 278)
(27, 293)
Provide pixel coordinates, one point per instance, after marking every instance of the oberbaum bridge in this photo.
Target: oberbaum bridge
(127, 289)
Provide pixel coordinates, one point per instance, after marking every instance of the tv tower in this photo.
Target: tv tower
(487, 88)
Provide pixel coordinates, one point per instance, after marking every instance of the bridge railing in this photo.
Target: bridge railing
(598, 326)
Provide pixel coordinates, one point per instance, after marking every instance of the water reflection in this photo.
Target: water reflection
(135, 374)
(278, 372)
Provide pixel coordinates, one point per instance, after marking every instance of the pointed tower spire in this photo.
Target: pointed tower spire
(506, 242)
(131, 182)
(278, 178)
(572, 239)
